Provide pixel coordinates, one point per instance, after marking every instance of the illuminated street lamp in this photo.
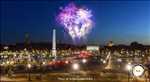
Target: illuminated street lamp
(29, 66)
(129, 68)
(29, 77)
(7, 62)
(43, 63)
(119, 60)
(75, 66)
(84, 60)
(104, 62)
(66, 62)
(41, 69)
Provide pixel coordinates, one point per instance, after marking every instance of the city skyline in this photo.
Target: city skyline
(119, 21)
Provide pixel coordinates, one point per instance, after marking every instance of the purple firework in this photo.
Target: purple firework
(77, 21)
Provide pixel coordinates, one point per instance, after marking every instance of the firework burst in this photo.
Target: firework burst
(76, 21)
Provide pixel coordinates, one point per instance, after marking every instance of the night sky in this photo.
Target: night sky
(119, 21)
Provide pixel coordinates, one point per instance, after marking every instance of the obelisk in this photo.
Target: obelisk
(54, 52)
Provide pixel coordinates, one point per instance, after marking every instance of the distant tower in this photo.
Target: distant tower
(27, 40)
(54, 52)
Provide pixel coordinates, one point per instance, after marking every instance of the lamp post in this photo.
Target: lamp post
(40, 62)
(84, 61)
(29, 76)
(41, 69)
(149, 74)
(75, 67)
(9, 68)
(129, 67)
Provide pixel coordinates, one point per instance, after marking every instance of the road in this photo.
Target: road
(81, 76)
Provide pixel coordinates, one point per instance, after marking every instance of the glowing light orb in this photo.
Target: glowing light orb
(75, 66)
(76, 21)
(84, 60)
(138, 70)
(128, 67)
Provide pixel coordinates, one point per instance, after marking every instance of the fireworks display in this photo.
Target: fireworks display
(76, 21)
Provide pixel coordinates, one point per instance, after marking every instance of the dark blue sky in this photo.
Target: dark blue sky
(119, 21)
